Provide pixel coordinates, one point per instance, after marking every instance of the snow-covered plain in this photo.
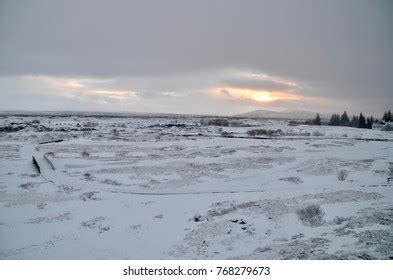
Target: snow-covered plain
(172, 188)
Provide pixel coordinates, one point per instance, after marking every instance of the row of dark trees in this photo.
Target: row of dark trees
(357, 121)
(387, 117)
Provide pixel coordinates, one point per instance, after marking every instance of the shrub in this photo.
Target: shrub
(218, 122)
(89, 196)
(224, 122)
(265, 132)
(87, 176)
(27, 186)
(294, 123)
(295, 180)
(311, 215)
(199, 218)
(342, 175)
(318, 133)
(225, 134)
(387, 127)
(251, 132)
(390, 171)
(90, 124)
(85, 154)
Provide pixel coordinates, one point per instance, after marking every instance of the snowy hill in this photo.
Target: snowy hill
(288, 114)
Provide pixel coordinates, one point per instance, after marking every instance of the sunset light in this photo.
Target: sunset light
(258, 95)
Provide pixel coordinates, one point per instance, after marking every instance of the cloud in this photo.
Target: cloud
(156, 51)
(54, 93)
(128, 38)
(261, 82)
(197, 94)
(72, 87)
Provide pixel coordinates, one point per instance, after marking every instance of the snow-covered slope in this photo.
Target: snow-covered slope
(288, 114)
(176, 188)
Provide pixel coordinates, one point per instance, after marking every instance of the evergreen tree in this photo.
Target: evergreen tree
(344, 119)
(355, 121)
(317, 120)
(369, 122)
(335, 120)
(362, 121)
(387, 116)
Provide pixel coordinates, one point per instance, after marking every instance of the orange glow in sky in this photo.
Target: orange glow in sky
(258, 95)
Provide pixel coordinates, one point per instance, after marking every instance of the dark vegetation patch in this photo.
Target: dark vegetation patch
(311, 215)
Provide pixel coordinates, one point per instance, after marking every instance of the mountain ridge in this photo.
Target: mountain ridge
(287, 114)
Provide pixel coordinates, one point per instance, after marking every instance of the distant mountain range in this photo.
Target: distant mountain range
(260, 114)
(288, 114)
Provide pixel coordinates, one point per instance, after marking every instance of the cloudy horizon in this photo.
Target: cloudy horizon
(202, 57)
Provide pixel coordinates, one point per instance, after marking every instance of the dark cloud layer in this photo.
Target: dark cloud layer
(338, 48)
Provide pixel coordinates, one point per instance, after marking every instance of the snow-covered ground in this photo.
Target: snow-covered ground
(173, 188)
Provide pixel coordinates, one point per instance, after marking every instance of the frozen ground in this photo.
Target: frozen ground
(171, 188)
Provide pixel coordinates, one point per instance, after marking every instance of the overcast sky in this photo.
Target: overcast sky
(220, 57)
